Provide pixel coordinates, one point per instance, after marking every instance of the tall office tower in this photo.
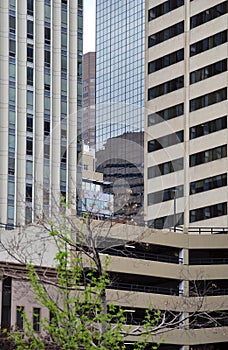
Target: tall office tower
(40, 91)
(89, 96)
(186, 113)
(120, 97)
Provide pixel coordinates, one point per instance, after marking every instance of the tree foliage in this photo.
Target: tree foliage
(75, 296)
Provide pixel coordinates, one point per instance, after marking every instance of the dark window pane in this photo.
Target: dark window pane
(30, 29)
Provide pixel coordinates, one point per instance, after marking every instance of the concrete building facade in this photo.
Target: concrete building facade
(40, 82)
(186, 113)
(182, 275)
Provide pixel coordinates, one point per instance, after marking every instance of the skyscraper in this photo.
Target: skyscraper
(40, 91)
(186, 113)
(89, 95)
(120, 94)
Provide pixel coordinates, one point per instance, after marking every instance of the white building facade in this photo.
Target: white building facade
(186, 113)
(40, 93)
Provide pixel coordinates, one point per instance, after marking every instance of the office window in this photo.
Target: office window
(12, 94)
(29, 127)
(47, 104)
(47, 35)
(46, 151)
(20, 317)
(6, 302)
(208, 155)
(47, 81)
(28, 215)
(12, 48)
(165, 61)
(167, 221)
(12, 119)
(166, 88)
(29, 146)
(164, 8)
(165, 195)
(63, 154)
(12, 24)
(166, 141)
(166, 34)
(28, 193)
(47, 58)
(208, 43)
(165, 168)
(166, 114)
(208, 184)
(208, 99)
(29, 169)
(11, 190)
(208, 127)
(208, 71)
(209, 212)
(29, 29)
(11, 166)
(30, 53)
(64, 40)
(63, 108)
(36, 319)
(11, 142)
(30, 7)
(29, 76)
(46, 128)
(29, 99)
(12, 4)
(208, 14)
(64, 63)
(47, 12)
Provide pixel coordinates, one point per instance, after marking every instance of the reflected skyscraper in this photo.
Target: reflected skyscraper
(119, 87)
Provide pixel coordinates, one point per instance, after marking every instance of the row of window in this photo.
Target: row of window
(208, 71)
(165, 195)
(165, 141)
(209, 183)
(208, 127)
(166, 61)
(165, 168)
(208, 155)
(166, 34)
(198, 214)
(167, 221)
(164, 8)
(166, 114)
(208, 99)
(20, 314)
(165, 88)
(208, 14)
(208, 212)
(208, 43)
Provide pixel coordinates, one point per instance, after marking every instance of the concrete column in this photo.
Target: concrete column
(186, 114)
(72, 118)
(21, 111)
(4, 98)
(39, 108)
(56, 106)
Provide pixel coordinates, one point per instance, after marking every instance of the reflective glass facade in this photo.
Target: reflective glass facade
(119, 66)
(120, 100)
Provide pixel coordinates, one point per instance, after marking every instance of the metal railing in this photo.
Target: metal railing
(209, 292)
(143, 255)
(145, 289)
(208, 261)
(199, 230)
